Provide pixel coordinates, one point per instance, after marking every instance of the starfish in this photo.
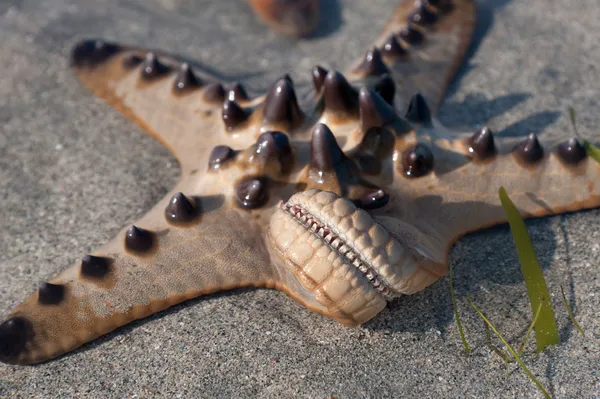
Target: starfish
(343, 199)
(291, 17)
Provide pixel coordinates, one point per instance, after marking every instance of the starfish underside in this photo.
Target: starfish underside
(343, 200)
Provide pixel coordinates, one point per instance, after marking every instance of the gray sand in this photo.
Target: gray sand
(73, 171)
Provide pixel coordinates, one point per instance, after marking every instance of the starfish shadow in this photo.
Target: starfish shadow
(476, 109)
(535, 123)
(485, 20)
(330, 20)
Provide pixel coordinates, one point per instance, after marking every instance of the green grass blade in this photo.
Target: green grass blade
(546, 331)
(488, 338)
(515, 354)
(592, 150)
(535, 319)
(458, 323)
(570, 312)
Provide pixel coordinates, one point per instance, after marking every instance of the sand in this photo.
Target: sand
(73, 171)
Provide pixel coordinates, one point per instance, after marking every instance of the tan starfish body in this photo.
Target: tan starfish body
(343, 201)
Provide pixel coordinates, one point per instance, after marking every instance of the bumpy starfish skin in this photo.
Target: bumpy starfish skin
(343, 201)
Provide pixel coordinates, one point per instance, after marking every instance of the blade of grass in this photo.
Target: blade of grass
(591, 149)
(458, 323)
(497, 351)
(569, 311)
(511, 350)
(546, 331)
(535, 319)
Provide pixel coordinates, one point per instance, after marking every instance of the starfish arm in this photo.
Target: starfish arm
(460, 194)
(162, 94)
(421, 48)
(174, 253)
(294, 18)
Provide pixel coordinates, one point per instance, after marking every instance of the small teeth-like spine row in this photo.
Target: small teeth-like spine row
(336, 243)
(397, 46)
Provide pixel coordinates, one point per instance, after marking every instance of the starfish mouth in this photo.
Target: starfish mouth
(336, 241)
(321, 234)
